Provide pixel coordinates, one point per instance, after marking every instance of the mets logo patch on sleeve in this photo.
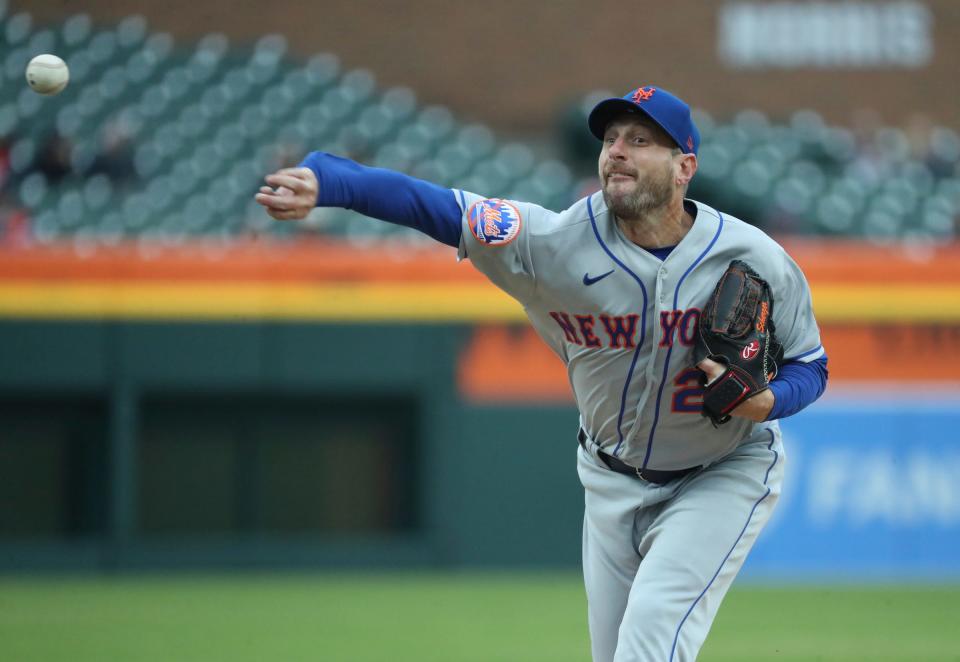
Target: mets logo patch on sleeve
(494, 222)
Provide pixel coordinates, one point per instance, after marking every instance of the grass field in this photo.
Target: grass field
(438, 618)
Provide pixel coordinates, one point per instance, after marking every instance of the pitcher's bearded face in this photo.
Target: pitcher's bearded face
(636, 168)
(630, 194)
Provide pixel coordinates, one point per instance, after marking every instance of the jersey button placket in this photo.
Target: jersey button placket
(655, 331)
(661, 275)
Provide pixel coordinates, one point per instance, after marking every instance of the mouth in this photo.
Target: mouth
(620, 177)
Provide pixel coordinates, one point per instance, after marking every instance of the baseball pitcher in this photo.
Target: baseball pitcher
(686, 334)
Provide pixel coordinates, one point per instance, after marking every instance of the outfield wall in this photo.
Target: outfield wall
(872, 490)
(325, 407)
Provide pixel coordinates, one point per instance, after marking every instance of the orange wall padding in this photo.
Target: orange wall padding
(822, 261)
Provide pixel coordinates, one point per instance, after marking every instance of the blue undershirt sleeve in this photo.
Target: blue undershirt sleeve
(386, 195)
(797, 385)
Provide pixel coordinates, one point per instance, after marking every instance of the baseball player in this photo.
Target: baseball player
(679, 454)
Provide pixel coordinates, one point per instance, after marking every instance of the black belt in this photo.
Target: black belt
(649, 475)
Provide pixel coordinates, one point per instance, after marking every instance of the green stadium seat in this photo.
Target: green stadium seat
(792, 196)
(97, 192)
(400, 103)
(9, 118)
(33, 190)
(15, 62)
(786, 141)
(455, 160)
(835, 215)
(103, 47)
(75, 32)
(950, 188)
(477, 139)
(733, 139)
(810, 174)
(488, 179)
(70, 208)
(882, 226)
(257, 109)
(131, 31)
(17, 29)
(940, 223)
(22, 155)
(515, 160)
(109, 227)
(33, 114)
(755, 124)
(555, 180)
(46, 227)
(412, 146)
(770, 155)
(753, 178)
(837, 146)
(919, 176)
(704, 121)
(322, 70)
(893, 144)
(42, 41)
(714, 162)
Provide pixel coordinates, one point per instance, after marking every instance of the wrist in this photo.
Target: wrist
(757, 407)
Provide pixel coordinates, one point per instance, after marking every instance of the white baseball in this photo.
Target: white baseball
(47, 74)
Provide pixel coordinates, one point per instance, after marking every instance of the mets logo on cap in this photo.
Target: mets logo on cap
(494, 222)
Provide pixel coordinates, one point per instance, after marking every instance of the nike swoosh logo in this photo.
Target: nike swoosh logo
(590, 281)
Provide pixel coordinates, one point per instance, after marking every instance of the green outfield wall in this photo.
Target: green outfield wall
(136, 445)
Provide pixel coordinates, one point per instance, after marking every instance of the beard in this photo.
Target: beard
(651, 192)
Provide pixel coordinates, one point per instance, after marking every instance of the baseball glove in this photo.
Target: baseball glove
(736, 329)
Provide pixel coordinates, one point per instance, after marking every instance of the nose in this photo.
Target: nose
(615, 150)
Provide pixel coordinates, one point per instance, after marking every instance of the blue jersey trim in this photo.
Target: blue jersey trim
(387, 195)
(643, 325)
(800, 356)
(666, 362)
(797, 385)
(463, 200)
(776, 456)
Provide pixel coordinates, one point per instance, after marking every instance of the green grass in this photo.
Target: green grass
(438, 618)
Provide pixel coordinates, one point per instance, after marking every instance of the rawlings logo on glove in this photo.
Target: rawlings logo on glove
(735, 328)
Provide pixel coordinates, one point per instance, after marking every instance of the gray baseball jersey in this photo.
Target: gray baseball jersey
(657, 558)
(624, 322)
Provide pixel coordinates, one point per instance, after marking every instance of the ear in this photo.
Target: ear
(686, 169)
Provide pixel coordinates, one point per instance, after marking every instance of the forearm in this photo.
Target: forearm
(756, 408)
(386, 195)
(797, 385)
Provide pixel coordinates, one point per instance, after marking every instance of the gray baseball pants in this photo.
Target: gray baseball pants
(658, 559)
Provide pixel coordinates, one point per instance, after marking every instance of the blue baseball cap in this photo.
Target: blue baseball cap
(668, 111)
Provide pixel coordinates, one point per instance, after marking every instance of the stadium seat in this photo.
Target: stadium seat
(257, 107)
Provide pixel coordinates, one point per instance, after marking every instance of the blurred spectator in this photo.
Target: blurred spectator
(937, 147)
(285, 155)
(115, 157)
(579, 146)
(918, 130)
(4, 163)
(869, 164)
(14, 224)
(54, 159)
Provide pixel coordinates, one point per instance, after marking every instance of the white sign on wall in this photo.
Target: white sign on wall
(825, 35)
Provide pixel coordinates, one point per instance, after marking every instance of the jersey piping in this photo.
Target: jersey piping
(818, 348)
(666, 362)
(776, 456)
(643, 324)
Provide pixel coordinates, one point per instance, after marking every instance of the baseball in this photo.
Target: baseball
(47, 74)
